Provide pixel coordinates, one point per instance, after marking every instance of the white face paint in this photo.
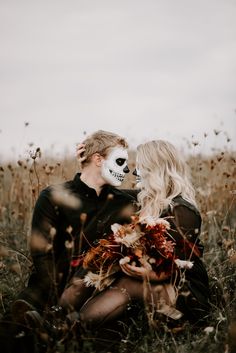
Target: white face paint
(115, 166)
(137, 174)
(138, 178)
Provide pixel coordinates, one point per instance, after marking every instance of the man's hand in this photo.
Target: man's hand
(143, 272)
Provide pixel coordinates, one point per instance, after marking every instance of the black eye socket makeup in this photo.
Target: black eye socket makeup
(120, 161)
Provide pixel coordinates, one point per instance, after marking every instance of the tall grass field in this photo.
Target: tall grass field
(214, 177)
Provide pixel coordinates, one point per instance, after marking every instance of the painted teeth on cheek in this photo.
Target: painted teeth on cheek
(118, 176)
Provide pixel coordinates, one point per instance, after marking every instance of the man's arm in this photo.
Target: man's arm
(143, 272)
(44, 224)
(44, 229)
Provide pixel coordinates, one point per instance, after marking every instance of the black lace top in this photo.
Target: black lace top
(185, 221)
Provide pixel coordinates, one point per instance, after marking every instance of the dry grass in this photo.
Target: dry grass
(214, 179)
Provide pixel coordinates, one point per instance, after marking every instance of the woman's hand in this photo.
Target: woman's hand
(143, 272)
(80, 148)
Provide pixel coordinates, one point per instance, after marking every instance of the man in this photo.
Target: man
(69, 218)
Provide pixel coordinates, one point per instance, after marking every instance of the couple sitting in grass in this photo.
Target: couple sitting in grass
(97, 249)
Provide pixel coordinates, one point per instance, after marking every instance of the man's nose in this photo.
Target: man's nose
(126, 169)
(135, 172)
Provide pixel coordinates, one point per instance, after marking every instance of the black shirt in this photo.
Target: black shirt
(68, 218)
(185, 229)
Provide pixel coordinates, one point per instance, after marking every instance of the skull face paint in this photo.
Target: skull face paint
(114, 167)
(136, 172)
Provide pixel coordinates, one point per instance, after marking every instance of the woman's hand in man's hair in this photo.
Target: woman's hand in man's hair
(80, 149)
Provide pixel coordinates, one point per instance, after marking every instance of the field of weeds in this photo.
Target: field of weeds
(215, 181)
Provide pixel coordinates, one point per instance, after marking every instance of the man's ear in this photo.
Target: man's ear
(97, 159)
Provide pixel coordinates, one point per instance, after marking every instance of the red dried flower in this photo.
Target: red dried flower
(135, 242)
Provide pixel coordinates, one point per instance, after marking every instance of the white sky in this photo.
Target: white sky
(142, 68)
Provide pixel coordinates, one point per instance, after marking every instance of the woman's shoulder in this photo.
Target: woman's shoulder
(179, 201)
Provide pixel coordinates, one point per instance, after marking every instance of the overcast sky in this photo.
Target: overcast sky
(142, 68)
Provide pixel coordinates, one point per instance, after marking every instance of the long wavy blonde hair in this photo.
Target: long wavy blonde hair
(164, 175)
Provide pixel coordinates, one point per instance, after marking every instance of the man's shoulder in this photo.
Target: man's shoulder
(49, 190)
(69, 184)
(62, 195)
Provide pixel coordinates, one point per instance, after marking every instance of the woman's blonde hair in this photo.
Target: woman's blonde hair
(164, 175)
(100, 142)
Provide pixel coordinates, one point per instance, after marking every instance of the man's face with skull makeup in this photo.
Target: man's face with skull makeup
(114, 166)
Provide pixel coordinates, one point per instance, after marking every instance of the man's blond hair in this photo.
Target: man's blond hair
(100, 142)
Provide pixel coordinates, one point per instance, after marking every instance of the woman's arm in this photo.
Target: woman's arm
(80, 149)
